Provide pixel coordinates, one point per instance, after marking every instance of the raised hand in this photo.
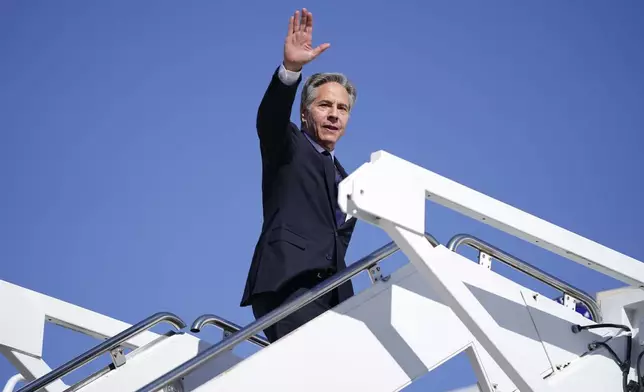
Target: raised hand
(298, 49)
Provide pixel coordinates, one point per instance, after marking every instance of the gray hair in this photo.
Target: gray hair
(309, 91)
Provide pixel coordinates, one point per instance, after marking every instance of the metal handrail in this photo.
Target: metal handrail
(13, 381)
(229, 326)
(103, 348)
(528, 269)
(432, 240)
(226, 326)
(278, 314)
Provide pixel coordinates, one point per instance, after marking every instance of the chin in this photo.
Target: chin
(330, 136)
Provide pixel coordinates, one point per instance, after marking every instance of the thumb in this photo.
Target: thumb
(321, 48)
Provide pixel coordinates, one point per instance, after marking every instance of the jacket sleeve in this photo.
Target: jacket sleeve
(274, 116)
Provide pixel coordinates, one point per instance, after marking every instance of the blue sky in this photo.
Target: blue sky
(130, 165)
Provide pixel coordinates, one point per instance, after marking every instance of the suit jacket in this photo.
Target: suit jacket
(299, 232)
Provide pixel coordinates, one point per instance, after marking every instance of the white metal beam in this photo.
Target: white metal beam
(397, 183)
(31, 368)
(391, 193)
(58, 312)
(21, 340)
(434, 265)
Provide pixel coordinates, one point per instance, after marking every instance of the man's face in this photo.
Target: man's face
(328, 115)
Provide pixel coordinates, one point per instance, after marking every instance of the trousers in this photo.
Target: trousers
(266, 302)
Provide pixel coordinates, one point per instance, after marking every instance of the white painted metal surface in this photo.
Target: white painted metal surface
(156, 359)
(389, 335)
(384, 338)
(24, 349)
(369, 191)
(367, 194)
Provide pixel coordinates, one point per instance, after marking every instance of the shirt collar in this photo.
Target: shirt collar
(319, 148)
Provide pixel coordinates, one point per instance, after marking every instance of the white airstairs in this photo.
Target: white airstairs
(384, 338)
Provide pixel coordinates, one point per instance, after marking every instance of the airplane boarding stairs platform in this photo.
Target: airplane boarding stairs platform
(438, 305)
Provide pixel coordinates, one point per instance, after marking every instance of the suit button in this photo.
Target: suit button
(328, 257)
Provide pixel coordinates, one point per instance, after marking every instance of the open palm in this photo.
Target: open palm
(298, 48)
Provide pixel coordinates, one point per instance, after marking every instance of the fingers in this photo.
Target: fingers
(308, 21)
(304, 23)
(296, 22)
(290, 25)
(321, 48)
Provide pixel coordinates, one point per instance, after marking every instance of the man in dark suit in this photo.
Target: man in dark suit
(304, 235)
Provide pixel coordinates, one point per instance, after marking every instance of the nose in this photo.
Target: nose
(333, 113)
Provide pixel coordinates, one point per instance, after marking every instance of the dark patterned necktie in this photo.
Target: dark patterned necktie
(339, 215)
